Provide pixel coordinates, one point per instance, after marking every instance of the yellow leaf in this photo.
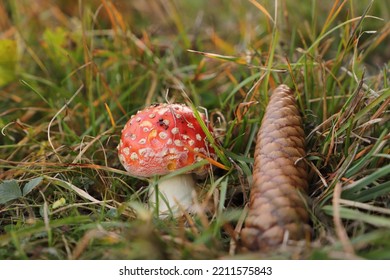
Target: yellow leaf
(60, 202)
(8, 60)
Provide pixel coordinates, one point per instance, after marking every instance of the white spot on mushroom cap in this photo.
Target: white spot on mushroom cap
(122, 159)
(126, 151)
(146, 123)
(134, 156)
(143, 151)
(163, 152)
(120, 144)
(163, 110)
(142, 141)
(178, 142)
(163, 135)
(175, 130)
(198, 137)
(146, 152)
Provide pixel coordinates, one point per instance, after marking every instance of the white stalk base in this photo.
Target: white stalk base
(175, 195)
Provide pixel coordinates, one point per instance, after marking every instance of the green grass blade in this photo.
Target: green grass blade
(355, 215)
(366, 181)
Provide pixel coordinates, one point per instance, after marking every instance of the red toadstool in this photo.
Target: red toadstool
(159, 140)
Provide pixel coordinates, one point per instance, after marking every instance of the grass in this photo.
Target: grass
(80, 71)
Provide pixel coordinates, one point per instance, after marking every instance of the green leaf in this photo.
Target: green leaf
(31, 185)
(9, 190)
(8, 60)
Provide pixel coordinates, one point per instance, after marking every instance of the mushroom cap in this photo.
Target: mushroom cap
(163, 138)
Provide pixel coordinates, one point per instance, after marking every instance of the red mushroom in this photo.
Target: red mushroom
(158, 140)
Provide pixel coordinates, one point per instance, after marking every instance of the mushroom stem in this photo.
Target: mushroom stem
(174, 195)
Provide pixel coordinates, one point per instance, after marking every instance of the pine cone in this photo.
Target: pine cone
(278, 206)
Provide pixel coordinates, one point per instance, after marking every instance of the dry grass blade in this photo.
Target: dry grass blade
(77, 190)
(340, 230)
(263, 10)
